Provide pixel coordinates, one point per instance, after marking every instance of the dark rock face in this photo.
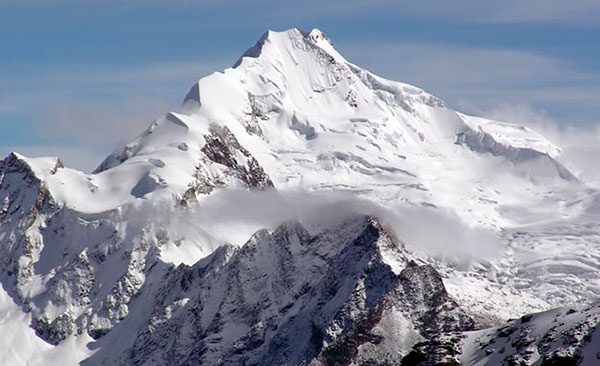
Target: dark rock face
(223, 148)
(54, 331)
(440, 350)
(289, 297)
(435, 310)
(418, 293)
(25, 204)
(345, 350)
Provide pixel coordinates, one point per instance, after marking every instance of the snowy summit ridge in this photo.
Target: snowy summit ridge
(314, 99)
(149, 255)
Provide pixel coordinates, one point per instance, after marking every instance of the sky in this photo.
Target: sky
(79, 78)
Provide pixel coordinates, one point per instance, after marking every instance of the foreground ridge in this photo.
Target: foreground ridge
(563, 336)
(288, 297)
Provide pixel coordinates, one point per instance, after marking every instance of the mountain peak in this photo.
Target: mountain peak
(289, 40)
(292, 98)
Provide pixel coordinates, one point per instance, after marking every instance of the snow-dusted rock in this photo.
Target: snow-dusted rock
(288, 297)
(563, 336)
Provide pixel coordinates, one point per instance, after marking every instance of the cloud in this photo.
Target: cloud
(428, 231)
(576, 12)
(150, 74)
(580, 143)
(573, 13)
(103, 81)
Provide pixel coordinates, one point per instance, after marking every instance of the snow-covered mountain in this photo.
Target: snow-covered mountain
(377, 218)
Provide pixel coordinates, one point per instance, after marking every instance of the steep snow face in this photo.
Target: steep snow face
(306, 117)
(313, 120)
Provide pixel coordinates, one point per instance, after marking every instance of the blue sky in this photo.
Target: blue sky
(79, 77)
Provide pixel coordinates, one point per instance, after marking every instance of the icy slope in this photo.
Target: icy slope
(310, 119)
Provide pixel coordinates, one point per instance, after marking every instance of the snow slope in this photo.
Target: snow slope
(562, 336)
(509, 228)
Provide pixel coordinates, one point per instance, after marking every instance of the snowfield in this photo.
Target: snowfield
(294, 133)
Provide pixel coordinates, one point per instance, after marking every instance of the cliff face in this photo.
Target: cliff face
(290, 297)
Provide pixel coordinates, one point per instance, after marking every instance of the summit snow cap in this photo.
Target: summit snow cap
(289, 41)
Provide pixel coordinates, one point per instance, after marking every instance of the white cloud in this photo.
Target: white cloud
(431, 231)
(33, 85)
(580, 143)
(82, 134)
(573, 12)
(576, 12)
(166, 72)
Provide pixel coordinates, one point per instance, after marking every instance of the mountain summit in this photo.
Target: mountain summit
(478, 222)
